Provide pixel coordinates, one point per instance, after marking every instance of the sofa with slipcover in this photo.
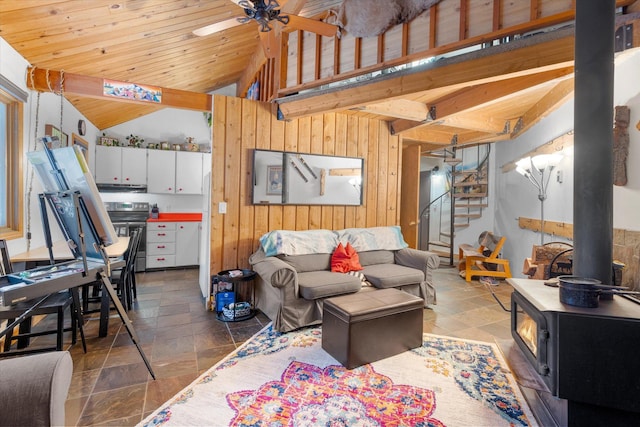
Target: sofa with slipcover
(294, 270)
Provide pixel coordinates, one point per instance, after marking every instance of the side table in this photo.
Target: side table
(234, 294)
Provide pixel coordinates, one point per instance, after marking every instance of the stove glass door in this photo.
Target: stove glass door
(527, 330)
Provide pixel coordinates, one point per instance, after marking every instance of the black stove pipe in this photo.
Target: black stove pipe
(593, 139)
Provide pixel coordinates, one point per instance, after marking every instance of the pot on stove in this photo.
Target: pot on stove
(585, 292)
(579, 291)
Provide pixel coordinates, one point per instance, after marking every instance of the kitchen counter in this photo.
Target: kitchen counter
(177, 217)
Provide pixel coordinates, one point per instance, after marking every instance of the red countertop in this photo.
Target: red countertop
(177, 217)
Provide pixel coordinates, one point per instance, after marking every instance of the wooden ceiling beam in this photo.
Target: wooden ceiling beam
(474, 122)
(429, 135)
(400, 126)
(400, 108)
(93, 87)
(490, 66)
(557, 96)
(480, 95)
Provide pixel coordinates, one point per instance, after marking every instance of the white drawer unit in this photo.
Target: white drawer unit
(166, 236)
(161, 226)
(161, 261)
(161, 248)
(172, 244)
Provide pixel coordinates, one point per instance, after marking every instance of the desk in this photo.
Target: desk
(75, 276)
(61, 252)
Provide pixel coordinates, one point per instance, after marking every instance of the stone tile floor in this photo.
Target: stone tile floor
(111, 385)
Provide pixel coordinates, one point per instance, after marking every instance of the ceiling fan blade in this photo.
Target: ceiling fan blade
(218, 26)
(299, 23)
(269, 43)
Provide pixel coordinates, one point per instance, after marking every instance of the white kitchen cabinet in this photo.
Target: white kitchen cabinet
(174, 172)
(120, 165)
(161, 176)
(187, 243)
(188, 173)
(172, 244)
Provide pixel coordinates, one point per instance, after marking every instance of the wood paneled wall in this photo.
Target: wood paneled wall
(240, 126)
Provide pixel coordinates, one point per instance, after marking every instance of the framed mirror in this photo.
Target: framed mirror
(290, 178)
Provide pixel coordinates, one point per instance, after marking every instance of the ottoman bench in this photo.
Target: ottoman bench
(368, 326)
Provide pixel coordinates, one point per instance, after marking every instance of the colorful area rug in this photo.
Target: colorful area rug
(287, 379)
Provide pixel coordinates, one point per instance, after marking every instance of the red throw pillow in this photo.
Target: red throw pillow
(345, 259)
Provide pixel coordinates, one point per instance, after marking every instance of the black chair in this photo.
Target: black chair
(55, 304)
(133, 293)
(122, 279)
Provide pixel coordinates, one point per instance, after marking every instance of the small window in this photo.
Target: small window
(11, 181)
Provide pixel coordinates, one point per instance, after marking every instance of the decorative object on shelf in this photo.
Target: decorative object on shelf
(82, 127)
(190, 144)
(135, 141)
(109, 141)
(152, 146)
(164, 145)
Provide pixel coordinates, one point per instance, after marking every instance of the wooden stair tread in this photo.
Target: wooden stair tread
(465, 225)
(467, 215)
(471, 205)
(469, 184)
(440, 243)
(465, 172)
(470, 195)
(442, 254)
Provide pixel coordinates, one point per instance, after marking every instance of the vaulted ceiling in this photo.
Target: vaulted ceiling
(488, 96)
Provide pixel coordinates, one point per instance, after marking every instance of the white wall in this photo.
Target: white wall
(515, 197)
(166, 125)
(46, 110)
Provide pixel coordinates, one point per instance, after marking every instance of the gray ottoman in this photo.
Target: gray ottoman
(368, 326)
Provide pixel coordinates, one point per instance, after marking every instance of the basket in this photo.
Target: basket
(241, 309)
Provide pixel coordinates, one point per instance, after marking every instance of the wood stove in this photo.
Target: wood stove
(584, 356)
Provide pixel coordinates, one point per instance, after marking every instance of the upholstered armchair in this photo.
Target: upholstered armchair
(34, 389)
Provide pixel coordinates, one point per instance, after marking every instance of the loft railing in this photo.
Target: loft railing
(309, 61)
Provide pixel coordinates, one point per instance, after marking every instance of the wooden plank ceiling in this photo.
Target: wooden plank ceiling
(151, 42)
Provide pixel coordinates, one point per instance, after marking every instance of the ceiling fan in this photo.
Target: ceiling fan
(266, 13)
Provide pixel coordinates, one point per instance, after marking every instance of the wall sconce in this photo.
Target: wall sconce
(538, 171)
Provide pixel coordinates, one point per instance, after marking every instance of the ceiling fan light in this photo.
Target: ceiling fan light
(246, 5)
(284, 19)
(264, 26)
